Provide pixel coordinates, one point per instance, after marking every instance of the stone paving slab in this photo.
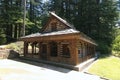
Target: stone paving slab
(15, 70)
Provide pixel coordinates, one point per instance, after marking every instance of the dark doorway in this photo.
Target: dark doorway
(53, 49)
(44, 51)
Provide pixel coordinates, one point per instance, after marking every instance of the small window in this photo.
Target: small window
(65, 50)
(80, 50)
(54, 26)
(80, 54)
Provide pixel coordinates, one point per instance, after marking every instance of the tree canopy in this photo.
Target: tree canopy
(96, 18)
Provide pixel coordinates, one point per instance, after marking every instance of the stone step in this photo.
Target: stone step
(79, 67)
(85, 64)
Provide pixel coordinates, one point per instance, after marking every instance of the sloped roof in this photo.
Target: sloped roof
(70, 30)
(66, 31)
(62, 32)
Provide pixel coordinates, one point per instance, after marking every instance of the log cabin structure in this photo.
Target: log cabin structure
(58, 41)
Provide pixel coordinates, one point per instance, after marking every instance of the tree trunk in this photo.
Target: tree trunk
(15, 31)
(10, 32)
(19, 31)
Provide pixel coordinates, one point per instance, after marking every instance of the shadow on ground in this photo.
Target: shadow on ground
(44, 66)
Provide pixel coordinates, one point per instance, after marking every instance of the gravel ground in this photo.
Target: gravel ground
(21, 70)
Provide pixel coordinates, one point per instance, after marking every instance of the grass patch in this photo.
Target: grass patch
(107, 67)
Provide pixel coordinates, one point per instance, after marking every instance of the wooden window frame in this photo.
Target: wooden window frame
(64, 54)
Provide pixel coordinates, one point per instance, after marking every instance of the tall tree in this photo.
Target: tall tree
(10, 13)
(96, 18)
(24, 17)
(34, 11)
(11, 17)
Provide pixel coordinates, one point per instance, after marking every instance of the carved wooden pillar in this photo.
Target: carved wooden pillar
(80, 52)
(48, 50)
(39, 50)
(90, 51)
(93, 51)
(59, 50)
(25, 48)
(87, 51)
(83, 51)
(74, 52)
(32, 49)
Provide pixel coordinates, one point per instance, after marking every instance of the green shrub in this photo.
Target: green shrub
(12, 46)
(116, 53)
(17, 46)
(116, 46)
(103, 48)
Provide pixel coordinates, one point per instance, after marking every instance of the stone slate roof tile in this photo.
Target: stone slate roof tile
(62, 32)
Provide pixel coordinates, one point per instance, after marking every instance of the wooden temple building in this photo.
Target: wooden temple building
(59, 42)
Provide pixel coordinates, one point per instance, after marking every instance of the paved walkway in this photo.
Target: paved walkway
(16, 70)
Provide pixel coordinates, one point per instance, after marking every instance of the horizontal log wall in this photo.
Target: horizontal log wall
(60, 58)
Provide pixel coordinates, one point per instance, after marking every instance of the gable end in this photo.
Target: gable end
(55, 23)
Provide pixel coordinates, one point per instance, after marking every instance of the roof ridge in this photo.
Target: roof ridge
(62, 20)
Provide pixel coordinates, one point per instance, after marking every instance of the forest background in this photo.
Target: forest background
(95, 18)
